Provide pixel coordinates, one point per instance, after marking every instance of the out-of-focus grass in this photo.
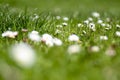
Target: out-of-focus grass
(68, 5)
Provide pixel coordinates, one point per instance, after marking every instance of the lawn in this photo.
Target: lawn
(59, 40)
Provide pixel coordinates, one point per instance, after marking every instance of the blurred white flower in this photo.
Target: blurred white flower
(110, 52)
(103, 38)
(103, 24)
(49, 43)
(80, 25)
(46, 37)
(34, 36)
(108, 19)
(57, 42)
(58, 17)
(117, 25)
(10, 34)
(95, 14)
(95, 49)
(57, 31)
(64, 24)
(65, 18)
(92, 26)
(100, 21)
(24, 30)
(23, 55)
(117, 33)
(73, 37)
(72, 49)
(86, 21)
(59, 26)
(90, 19)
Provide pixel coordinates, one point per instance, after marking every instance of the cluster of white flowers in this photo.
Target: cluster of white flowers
(50, 41)
(10, 34)
(23, 54)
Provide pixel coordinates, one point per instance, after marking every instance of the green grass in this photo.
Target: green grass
(55, 63)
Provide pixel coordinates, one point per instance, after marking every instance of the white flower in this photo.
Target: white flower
(110, 52)
(65, 18)
(99, 21)
(46, 37)
(57, 31)
(74, 49)
(103, 38)
(117, 33)
(10, 34)
(80, 25)
(86, 21)
(92, 26)
(23, 55)
(95, 49)
(73, 37)
(57, 42)
(64, 24)
(95, 14)
(117, 25)
(34, 36)
(90, 19)
(49, 43)
(103, 24)
(58, 17)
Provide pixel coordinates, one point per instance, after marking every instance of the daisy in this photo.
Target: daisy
(95, 49)
(73, 37)
(65, 18)
(86, 21)
(58, 17)
(90, 19)
(10, 34)
(103, 38)
(96, 14)
(64, 24)
(79, 25)
(117, 25)
(34, 36)
(110, 51)
(92, 26)
(46, 37)
(117, 33)
(72, 49)
(23, 54)
(99, 21)
(57, 42)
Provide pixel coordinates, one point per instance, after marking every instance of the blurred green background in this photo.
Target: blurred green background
(67, 5)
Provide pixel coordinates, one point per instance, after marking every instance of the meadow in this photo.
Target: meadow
(59, 40)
